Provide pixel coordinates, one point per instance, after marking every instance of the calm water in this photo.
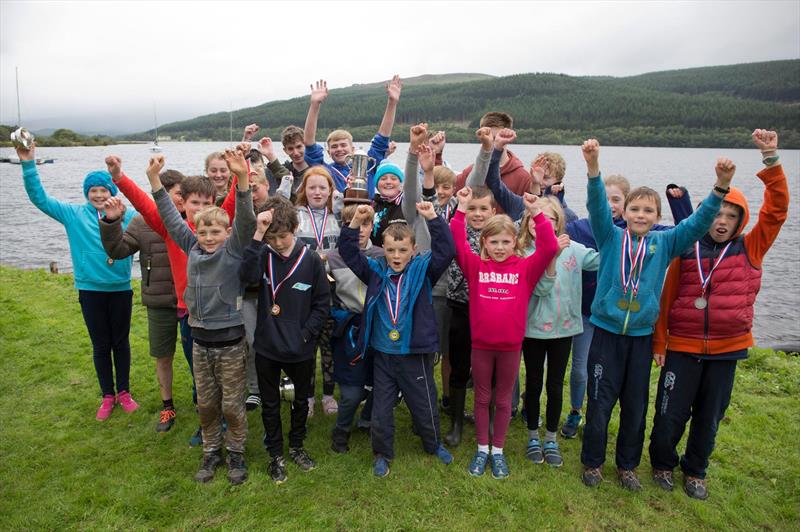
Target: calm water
(30, 239)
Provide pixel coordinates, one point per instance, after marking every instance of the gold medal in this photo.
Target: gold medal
(276, 309)
(700, 303)
(622, 304)
(394, 335)
(634, 306)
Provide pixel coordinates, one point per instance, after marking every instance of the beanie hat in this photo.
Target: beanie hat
(387, 167)
(98, 178)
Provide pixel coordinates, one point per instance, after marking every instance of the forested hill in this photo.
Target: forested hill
(701, 107)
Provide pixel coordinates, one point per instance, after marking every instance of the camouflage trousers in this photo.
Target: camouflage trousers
(221, 379)
(326, 353)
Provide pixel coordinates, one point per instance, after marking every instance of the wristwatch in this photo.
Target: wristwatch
(721, 190)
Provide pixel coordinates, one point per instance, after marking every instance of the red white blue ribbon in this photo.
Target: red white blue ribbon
(394, 309)
(319, 232)
(276, 288)
(704, 279)
(627, 277)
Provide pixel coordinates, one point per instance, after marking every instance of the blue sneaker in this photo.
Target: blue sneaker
(197, 438)
(534, 451)
(570, 427)
(444, 455)
(552, 455)
(499, 466)
(478, 464)
(380, 468)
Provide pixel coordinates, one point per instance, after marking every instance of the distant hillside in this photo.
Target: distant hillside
(713, 106)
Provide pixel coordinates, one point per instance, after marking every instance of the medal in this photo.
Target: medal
(394, 309)
(276, 309)
(319, 232)
(701, 302)
(634, 306)
(622, 304)
(632, 276)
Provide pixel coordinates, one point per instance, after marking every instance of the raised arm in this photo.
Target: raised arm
(118, 245)
(508, 200)
(442, 246)
(546, 242)
(393, 89)
(348, 246)
(465, 257)
(176, 227)
(477, 175)
(244, 221)
(411, 192)
(596, 203)
(254, 256)
(775, 208)
(140, 200)
(318, 95)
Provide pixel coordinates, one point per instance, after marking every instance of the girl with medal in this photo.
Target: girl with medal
(705, 325)
(633, 262)
(319, 230)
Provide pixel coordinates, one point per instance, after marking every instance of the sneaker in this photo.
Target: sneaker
(478, 464)
(499, 466)
(252, 402)
(105, 408)
(277, 469)
(339, 439)
(629, 480)
(166, 420)
(237, 469)
(444, 455)
(126, 402)
(380, 467)
(695, 488)
(534, 451)
(197, 438)
(211, 461)
(570, 427)
(311, 402)
(592, 476)
(300, 457)
(663, 479)
(329, 405)
(552, 455)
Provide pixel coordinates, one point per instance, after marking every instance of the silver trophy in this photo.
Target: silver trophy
(22, 138)
(361, 164)
(286, 388)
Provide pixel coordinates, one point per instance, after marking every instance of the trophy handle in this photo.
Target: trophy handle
(348, 160)
(373, 162)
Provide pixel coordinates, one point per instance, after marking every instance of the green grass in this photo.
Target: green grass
(59, 468)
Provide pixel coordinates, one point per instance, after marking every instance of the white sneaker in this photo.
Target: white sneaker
(329, 405)
(311, 401)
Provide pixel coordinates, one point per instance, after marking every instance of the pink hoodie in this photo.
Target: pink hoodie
(499, 291)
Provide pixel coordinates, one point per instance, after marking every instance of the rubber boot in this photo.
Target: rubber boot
(457, 399)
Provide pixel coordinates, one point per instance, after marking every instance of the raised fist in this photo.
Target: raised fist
(766, 141)
(484, 135)
(418, 135)
(438, 141)
(154, 166)
(113, 208)
(426, 210)
(725, 170)
(114, 165)
(426, 157)
(504, 136)
(249, 131)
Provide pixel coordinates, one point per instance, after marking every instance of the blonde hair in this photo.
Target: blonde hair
(339, 134)
(545, 202)
(311, 172)
(259, 178)
(499, 223)
(619, 181)
(211, 216)
(556, 164)
(443, 175)
(350, 211)
(212, 156)
(644, 193)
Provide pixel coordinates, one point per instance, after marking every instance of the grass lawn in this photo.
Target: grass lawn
(59, 468)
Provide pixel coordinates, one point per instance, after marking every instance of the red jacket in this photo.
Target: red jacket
(725, 324)
(144, 203)
(513, 174)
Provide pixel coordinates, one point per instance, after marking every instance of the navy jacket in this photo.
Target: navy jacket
(425, 334)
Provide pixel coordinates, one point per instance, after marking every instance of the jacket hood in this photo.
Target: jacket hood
(736, 197)
(513, 163)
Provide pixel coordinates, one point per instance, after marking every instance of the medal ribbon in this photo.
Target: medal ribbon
(319, 232)
(394, 310)
(447, 212)
(276, 288)
(704, 280)
(638, 256)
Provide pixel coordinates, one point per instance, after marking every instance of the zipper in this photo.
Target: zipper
(705, 319)
(149, 267)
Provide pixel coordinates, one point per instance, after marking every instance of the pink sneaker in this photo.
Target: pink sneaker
(105, 408)
(126, 401)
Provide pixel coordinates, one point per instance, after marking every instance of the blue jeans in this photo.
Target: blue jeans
(186, 343)
(580, 357)
(349, 399)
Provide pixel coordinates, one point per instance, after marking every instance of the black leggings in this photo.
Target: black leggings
(108, 318)
(460, 345)
(557, 353)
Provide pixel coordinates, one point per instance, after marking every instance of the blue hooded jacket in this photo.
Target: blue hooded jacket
(315, 156)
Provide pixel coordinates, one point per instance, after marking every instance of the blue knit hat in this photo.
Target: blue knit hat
(387, 167)
(98, 178)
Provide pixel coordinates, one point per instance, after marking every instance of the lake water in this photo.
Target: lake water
(29, 239)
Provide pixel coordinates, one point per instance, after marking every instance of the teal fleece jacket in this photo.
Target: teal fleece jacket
(662, 247)
(92, 268)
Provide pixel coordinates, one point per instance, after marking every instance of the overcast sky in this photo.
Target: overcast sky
(104, 65)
